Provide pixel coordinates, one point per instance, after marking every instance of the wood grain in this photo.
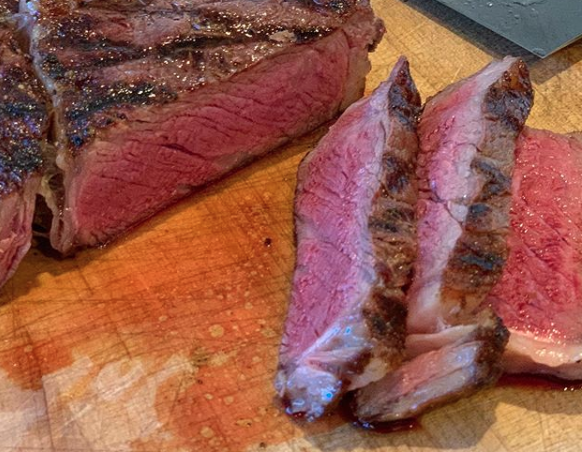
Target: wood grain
(167, 340)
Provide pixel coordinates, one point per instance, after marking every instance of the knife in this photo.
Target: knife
(540, 26)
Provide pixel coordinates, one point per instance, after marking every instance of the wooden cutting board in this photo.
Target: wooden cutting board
(167, 340)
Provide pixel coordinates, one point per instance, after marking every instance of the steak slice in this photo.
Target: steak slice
(155, 98)
(467, 139)
(23, 124)
(539, 296)
(467, 361)
(355, 227)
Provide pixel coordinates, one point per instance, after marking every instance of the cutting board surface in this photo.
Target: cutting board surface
(167, 340)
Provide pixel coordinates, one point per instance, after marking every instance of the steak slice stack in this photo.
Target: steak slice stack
(154, 98)
(539, 296)
(354, 218)
(23, 126)
(467, 138)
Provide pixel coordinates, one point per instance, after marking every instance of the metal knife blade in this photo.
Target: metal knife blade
(540, 26)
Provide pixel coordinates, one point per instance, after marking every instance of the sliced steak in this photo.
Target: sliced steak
(467, 138)
(23, 124)
(467, 361)
(539, 296)
(7, 9)
(154, 98)
(355, 226)
(467, 135)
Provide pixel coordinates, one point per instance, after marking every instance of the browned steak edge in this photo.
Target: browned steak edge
(477, 261)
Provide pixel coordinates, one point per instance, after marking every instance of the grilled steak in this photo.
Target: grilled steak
(23, 123)
(354, 220)
(467, 138)
(155, 98)
(539, 296)
(7, 9)
(467, 360)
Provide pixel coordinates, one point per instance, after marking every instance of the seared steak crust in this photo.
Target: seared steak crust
(355, 228)
(7, 8)
(157, 51)
(467, 139)
(479, 256)
(437, 377)
(539, 296)
(23, 114)
(23, 127)
(465, 177)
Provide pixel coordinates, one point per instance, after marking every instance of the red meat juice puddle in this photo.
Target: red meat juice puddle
(539, 382)
(403, 425)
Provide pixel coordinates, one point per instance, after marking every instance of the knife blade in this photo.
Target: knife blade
(540, 26)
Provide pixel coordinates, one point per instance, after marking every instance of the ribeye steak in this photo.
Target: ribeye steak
(154, 98)
(539, 296)
(467, 139)
(23, 127)
(355, 227)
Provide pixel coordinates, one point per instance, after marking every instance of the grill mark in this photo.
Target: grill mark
(336, 6)
(210, 30)
(482, 260)
(23, 116)
(51, 65)
(404, 100)
(20, 110)
(18, 161)
(82, 113)
(510, 99)
(393, 220)
(477, 261)
(386, 319)
(398, 174)
(477, 217)
(102, 54)
(497, 183)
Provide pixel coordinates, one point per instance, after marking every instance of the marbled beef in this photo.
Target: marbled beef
(355, 226)
(539, 296)
(23, 127)
(154, 98)
(467, 139)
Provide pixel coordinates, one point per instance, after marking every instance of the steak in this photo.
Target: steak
(467, 139)
(467, 361)
(355, 228)
(23, 126)
(154, 98)
(539, 296)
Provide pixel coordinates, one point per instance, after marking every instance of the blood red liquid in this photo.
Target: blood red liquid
(540, 382)
(389, 427)
(347, 415)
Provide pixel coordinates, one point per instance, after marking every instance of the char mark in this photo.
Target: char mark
(210, 29)
(336, 6)
(510, 99)
(393, 220)
(83, 114)
(476, 263)
(404, 99)
(397, 174)
(21, 110)
(386, 317)
(17, 160)
(496, 182)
